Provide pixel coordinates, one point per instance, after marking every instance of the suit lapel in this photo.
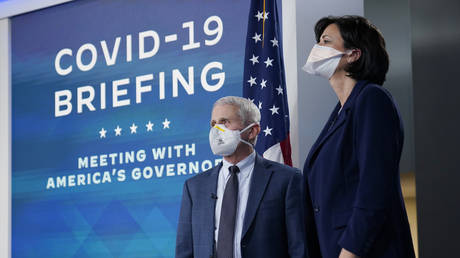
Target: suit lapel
(329, 130)
(323, 133)
(260, 178)
(209, 189)
(333, 124)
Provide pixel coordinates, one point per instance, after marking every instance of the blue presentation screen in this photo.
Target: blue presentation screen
(111, 103)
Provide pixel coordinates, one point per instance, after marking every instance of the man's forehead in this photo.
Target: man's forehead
(224, 111)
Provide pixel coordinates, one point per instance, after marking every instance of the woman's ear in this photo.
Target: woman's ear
(354, 55)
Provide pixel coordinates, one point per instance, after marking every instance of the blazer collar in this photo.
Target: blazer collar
(210, 187)
(335, 121)
(260, 178)
(354, 93)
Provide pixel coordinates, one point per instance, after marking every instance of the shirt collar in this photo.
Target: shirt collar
(242, 165)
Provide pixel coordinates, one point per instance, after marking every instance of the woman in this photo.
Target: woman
(354, 203)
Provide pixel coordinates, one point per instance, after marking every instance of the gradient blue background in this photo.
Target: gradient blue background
(118, 219)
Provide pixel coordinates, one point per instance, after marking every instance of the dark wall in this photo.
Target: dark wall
(393, 20)
(436, 69)
(423, 41)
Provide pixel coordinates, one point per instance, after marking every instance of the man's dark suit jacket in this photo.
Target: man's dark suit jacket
(352, 176)
(273, 225)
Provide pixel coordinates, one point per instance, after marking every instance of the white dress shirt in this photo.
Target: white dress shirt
(246, 167)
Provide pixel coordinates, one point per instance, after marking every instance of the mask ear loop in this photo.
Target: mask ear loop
(246, 128)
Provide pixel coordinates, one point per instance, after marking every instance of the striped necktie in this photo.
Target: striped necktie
(228, 216)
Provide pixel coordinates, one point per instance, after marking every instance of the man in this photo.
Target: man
(246, 206)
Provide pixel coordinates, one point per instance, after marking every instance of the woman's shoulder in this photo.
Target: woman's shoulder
(373, 102)
(375, 89)
(374, 94)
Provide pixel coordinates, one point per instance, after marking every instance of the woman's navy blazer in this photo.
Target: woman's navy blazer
(354, 198)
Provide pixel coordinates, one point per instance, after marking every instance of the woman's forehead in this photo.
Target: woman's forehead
(332, 30)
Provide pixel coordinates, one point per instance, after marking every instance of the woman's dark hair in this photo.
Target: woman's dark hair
(358, 32)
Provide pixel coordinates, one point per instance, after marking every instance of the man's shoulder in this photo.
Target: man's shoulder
(202, 176)
(278, 168)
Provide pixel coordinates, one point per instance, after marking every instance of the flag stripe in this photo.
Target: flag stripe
(286, 150)
(274, 153)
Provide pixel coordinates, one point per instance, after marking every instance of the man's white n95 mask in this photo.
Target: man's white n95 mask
(323, 61)
(224, 141)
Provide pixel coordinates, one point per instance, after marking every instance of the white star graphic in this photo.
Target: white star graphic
(166, 123)
(252, 100)
(256, 37)
(274, 110)
(254, 59)
(259, 16)
(133, 128)
(274, 42)
(280, 90)
(260, 104)
(252, 81)
(102, 133)
(268, 131)
(263, 84)
(268, 62)
(266, 16)
(149, 126)
(117, 130)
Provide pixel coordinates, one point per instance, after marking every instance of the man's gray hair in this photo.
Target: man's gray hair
(248, 111)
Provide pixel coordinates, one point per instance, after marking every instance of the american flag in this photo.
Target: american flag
(264, 81)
